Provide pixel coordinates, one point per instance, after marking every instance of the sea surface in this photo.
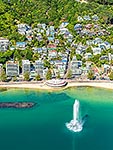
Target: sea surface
(43, 126)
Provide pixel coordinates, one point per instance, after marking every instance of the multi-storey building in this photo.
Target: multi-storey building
(25, 66)
(12, 68)
(39, 66)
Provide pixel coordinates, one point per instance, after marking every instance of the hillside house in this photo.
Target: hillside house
(21, 45)
(4, 44)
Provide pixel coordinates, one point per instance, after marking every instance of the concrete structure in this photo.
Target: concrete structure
(12, 68)
(4, 44)
(39, 66)
(75, 67)
(1, 68)
(25, 66)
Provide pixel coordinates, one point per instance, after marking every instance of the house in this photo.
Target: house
(44, 49)
(89, 42)
(29, 37)
(104, 58)
(51, 46)
(1, 67)
(39, 37)
(23, 28)
(25, 66)
(95, 18)
(57, 41)
(12, 48)
(96, 50)
(78, 27)
(52, 54)
(88, 65)
(106, 68)
(4, 44)
(43, 26)
(21, 45)
(107, 45)
(63, 30)
(87, 56)
(39, 66)
(12, 68)
(81, 49)
(102, 46)
(64, 60)
(110, 56)
(50, 38)
(111, 46)
(97, 41)
(64, 24)
(80, 19)
(76, 64)
(88, 26)
(87, 18)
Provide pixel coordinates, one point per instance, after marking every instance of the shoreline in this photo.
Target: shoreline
(43, 86)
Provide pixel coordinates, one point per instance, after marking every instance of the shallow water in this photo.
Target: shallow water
(43, 126)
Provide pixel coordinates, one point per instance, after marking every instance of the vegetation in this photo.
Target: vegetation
(37, 78)
(53, 12)
(49, 74)
(69, 74)
(3, 76)
(58, 75)
(111, 75)
(91, 75)
(26, 76)
(36, 11)
(14, 78)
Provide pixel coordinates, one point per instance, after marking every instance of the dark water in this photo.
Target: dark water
(43, 127)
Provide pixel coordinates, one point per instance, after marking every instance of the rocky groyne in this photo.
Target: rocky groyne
(17, 104)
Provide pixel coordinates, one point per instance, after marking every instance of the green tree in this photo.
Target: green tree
(69, 74)
(3, 76)
(49, 74)
(90, 75)
(111, 75)
(37, 77)
(26, 76)
(58, 76)
(78, 56)
(14, 78)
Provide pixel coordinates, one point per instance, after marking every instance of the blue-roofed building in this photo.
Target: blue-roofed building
(21, 45)
(50, 38)
(87, 17)
(78, 27)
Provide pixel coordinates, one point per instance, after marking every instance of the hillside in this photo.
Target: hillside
(32, 12)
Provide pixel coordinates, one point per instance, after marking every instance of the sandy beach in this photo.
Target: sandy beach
(43, 86)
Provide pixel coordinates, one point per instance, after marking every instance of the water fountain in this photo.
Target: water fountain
(76, 124)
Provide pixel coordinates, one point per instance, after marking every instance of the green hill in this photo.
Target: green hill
(32, 12)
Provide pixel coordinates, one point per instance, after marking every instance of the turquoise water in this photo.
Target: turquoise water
(43, 127)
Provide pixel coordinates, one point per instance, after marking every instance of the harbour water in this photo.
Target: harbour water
(43, 126)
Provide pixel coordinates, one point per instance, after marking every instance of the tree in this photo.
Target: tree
(26, 76)
(3, 76)
(38, 78)
(58, 75)
(91, 75)
(69, 74)
(111, 75)
(49, 74)
(14, 78)
(78, 56)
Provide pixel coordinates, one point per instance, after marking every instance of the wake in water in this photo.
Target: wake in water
(76, 124)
